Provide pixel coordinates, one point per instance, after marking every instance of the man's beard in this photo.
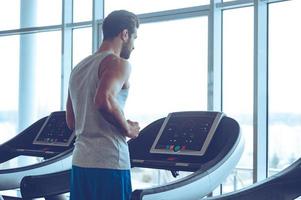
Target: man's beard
(125, 51)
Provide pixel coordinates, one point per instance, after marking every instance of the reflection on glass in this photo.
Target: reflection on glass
(9, 86)
(82, 44)
(82, 10)
(238, 86)
(145, 6)
(9, 14)
(284, 84)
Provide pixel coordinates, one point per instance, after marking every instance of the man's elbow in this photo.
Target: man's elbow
(71, 126)
(103, 104)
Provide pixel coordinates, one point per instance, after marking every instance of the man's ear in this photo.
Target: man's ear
(125, 35)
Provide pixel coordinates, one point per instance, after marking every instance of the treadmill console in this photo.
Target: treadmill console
(54, 131)
(186, 133)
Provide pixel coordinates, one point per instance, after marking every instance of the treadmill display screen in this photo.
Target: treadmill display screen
(54, 131)
(186, 133)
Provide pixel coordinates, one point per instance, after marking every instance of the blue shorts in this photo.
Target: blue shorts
(100, 184)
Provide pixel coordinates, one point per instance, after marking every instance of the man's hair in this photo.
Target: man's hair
(117, 21)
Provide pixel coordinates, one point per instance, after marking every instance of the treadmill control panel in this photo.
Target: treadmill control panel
(55, 131)
(186, 133)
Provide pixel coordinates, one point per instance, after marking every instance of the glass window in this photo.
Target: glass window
(238, 85)
(49, 12)
(82, 44)
(169, 70)
(229, 0)
(40, 65)
(40, 13)
(48, 73)
(82, 10)
(145, 6)
(284, 84)
(9, 86)
(9, 14)
(169, 74)
(42, 55)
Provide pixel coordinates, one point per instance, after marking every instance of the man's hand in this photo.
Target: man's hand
(132, 129)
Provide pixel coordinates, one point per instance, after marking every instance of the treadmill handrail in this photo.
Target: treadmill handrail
(54, 159)
(296, 164)
(33, 187)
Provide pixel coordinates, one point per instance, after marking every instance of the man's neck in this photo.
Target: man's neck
(113, 46)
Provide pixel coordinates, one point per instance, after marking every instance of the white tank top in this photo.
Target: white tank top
(98, 143)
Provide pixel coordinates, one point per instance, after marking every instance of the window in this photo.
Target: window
(49, 12)
(40, 76)
(9, 14)
(9, 87)
(82, 44)
(169, 71)
(284, 84)
(82, 10)
(169, 74)
(146, 6)
(37, 13)
(238, 85)
(48, 73)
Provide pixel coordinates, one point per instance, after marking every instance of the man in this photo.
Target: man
(98, 89)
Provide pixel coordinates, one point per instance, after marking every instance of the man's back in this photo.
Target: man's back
(99, 144)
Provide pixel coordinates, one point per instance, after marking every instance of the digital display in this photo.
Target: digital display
(186, 133)
(55, 131)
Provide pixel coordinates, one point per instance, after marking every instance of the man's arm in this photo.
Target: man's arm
(70, 114)
(113, 75)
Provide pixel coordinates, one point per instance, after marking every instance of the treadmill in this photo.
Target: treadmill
(285, 185)
(208, 144)
(48, 139)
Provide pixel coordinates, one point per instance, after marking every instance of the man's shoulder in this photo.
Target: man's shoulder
(113, 60)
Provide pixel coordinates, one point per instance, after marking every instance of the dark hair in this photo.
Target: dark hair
(117, 21)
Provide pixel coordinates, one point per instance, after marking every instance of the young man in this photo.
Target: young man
(98, 88)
